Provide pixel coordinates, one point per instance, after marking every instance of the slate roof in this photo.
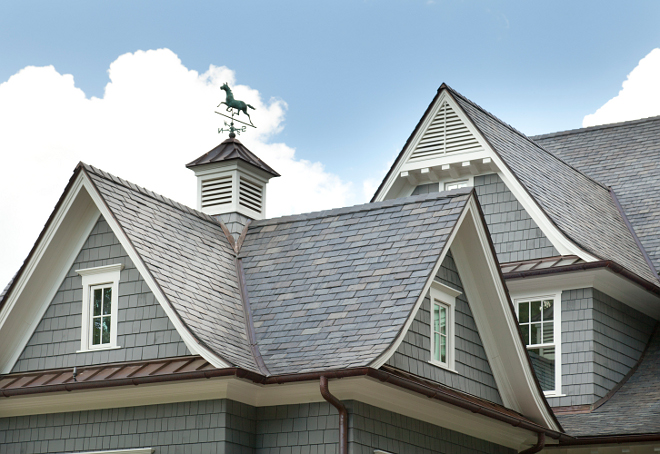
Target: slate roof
(633, 409)
(230, 149)
(624, 156)
(190, 259)
(333, 289)
(582, 208)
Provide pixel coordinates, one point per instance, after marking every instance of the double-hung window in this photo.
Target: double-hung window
(99, 307)
(539, 322)
(443, 302)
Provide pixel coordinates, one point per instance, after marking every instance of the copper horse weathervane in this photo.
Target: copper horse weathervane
(235, 107)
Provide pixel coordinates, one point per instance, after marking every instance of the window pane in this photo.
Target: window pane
(548, 332)
(543, 361)
(436, 318)
(107, 300)
(436, 347)
(536, 310)
(535, 334)
(523, 312)
(443, 349)
(548, 310)
(96, 331)
(106, 330)
(97, 301)
(524, 329)
(443, 320)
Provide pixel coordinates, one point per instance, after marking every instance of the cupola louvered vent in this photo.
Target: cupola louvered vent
(216, 191)
(446, 134)
(250, 194)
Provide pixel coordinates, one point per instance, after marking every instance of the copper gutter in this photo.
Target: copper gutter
(343, 414)
(428, 390)
(540, 444)
(612, 266)
(610, 439)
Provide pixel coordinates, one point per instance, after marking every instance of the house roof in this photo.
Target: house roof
(333, 289)
(625, 157)
(580, 207)
(633, 409)
(230, 149)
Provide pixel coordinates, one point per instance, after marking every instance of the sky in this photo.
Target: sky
(131, 87)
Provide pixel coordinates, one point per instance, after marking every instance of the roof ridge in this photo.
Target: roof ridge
(596, 127)
(144, 191)
(523, 135)
(455, 193)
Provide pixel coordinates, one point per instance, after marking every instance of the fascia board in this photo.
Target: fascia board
(47, 267)
(188, 338)
(604, 280)
(362, 389)
(496, 321)
(387, 354)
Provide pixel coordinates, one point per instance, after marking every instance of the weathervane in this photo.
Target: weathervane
(235, 107)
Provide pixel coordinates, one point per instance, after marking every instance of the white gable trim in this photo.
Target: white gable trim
(394, 187)
(193, 345)
(52, 259)
(493, 315)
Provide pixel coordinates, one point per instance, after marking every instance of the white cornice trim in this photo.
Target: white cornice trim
(193, 345)
(101, 269)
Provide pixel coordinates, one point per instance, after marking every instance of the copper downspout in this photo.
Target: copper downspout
(343, 414)
(540, 444)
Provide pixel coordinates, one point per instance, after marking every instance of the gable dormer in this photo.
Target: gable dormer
(232, 179)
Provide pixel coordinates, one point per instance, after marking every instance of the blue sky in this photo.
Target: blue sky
(351, 78)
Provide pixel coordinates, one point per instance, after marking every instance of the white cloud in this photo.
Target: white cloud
(639, 97)
(155, 116)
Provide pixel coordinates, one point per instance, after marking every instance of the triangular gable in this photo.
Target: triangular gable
(67, 229)
(494, 315)
(143, 329)
(544, 185)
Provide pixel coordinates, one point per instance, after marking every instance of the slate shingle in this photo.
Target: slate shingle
(625, 157)
(189, 257)
(582, 208)
(333, 289)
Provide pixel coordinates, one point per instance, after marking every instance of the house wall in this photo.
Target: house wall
(602, 339)
(217, 426)
(143, 329)
(374, 428)
(473, 374)
(515, 234)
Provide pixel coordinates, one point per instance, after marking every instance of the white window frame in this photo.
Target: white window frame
(468, 183)
(442, 294)
(93, 277)
(556, 297)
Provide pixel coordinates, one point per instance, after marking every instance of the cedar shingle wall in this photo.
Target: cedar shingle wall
(515, 234)
(413, 355)
(143, 329)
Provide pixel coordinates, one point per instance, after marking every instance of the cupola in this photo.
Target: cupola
(232, 179)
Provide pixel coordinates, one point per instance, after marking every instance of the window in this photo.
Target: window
(99, 308)
(443, 301)
(539, 322)
(456, 185)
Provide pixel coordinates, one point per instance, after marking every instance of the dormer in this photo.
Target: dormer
(232, 179)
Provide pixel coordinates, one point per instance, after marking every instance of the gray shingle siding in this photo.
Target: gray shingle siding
(602, 339)
(514, 233)
(218, 426)
(143, 329)
(374, 428)
(473, 375)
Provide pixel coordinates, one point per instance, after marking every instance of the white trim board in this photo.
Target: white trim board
(395, 186)
(492, 311)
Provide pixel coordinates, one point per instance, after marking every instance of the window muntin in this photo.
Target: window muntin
(99, 307)
(540, 329)
(440, 324)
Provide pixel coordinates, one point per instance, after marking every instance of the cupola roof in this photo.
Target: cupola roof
(230, 149)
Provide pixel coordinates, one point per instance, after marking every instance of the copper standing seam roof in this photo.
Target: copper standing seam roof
(540, 264)
(196, 367)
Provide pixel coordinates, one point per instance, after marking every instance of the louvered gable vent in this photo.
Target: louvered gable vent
(446, 134)
(250, 194)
